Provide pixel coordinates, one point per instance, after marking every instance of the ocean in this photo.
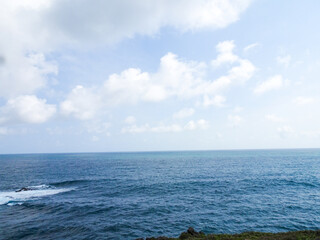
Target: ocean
(132, 195)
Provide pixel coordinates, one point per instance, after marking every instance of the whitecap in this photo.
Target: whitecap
(14, 198)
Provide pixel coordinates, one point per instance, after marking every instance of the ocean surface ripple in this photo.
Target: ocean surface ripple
(131, 195)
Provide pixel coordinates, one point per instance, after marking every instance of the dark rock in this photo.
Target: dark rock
(158, 238)
(190, 233)
(23, 189)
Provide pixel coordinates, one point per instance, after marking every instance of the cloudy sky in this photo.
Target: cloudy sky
(140, 75)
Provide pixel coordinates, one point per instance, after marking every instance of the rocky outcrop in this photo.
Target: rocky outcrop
(155, 238)
(190, 233)
(23, 189)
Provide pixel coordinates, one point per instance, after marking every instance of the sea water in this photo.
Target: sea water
(131, 195)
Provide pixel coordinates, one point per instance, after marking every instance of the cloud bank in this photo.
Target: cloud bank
(26, 109)
(33, 29)
(175, 78)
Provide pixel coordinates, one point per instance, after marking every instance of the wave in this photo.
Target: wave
(34, 192)
(293, 183)
(71, 182)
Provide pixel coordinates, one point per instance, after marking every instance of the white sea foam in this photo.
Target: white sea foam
(14, 198)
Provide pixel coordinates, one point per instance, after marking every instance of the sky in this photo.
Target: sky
(140, 75)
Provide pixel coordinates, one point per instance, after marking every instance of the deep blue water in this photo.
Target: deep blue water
(131, 195)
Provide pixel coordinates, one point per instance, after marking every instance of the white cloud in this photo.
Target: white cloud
(240, 73)
(250, 47)
(27, 109)
(110, 21)
(217, 101)
(183, 113)
(284, 60)
(99, 22)
(25, 67)
(163, 128)
(285, 131)
(82, 103)
(237, 74)
(113, 20)
(179, 77)
(234, 120)
(273, 83)
(200, 124)
(155, 93)
(24, 74)
(129, 86)
(175, 78)
(226, 55)
(216, 86)
(301, 101)
(135, 129)
(243, 72)
(274, 118)
(30, 29)
(186, 79)
(97, 127)
(130, 120)
(190, 126)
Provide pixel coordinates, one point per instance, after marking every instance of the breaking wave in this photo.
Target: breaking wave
(33, 192)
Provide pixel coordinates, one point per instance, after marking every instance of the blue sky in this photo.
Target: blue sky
(86, 76)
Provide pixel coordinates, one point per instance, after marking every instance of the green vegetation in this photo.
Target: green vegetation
(299, 235)
(191, 234)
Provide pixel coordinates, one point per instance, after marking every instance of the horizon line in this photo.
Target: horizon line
(160, 151)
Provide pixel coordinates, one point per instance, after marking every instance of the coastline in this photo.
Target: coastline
(191, 234)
